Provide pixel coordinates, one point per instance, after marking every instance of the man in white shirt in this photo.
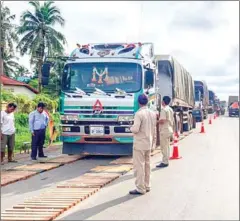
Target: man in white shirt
(8, 132)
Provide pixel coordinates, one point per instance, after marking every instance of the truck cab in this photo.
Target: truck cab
(211, 102)
(99, 96)
(233, 109)
(201, 99)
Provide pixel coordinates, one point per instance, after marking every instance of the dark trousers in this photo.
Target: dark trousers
(38, 142)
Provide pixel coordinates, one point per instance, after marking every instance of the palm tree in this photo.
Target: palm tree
(10, 65)
(40, 38)
(7, 37)
(8, 34)
(21, 71)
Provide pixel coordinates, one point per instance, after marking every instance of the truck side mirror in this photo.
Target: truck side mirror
(149, 78)
(45, 73)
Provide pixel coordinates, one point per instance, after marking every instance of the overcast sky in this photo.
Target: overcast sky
(202, 36)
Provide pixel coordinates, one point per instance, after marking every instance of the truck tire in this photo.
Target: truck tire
(205, 114)
(194, 122)
(178, 125)
(181, 122)
(190, 122)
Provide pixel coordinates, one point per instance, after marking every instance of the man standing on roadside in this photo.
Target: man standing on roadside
(166, 130)
(38, 121)
(144, 133)
(8, 132)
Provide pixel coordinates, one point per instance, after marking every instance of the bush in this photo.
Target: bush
(23, 133)
(49, 101)
(33, 83)
(25, 106)
(7, 96)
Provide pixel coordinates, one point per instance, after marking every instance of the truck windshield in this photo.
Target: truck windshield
(106, 76)
(198, 93)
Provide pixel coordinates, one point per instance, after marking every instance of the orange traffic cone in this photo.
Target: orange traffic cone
(202, 128)
(175, 155)
(210, 120)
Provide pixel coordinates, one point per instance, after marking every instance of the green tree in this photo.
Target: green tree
(7, 96)
(39, 36)
(21, 71)
(10, 65)
(51, 104)
(8, 35)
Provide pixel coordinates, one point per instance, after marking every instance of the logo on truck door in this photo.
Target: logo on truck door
(97, 107)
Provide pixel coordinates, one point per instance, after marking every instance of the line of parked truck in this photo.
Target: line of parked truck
(233, 106)
(100, 87)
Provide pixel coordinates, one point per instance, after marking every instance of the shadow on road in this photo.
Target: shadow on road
(49, 178)
(87, 213)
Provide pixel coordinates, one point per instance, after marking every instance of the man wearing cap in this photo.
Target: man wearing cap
(166, 130)
(143, 130)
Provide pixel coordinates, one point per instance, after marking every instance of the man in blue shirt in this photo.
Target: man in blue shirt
(38, 121)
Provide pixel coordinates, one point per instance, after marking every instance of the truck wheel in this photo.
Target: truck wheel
(190, 122)
(178, 125)
(181, 123)
(194, 122)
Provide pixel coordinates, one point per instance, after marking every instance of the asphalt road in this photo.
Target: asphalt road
(16, 193)
(203, 185)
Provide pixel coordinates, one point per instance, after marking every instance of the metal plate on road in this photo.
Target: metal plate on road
(96, 130)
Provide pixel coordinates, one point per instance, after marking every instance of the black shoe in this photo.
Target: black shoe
(12, 161)
(135, 192)
(162, 165)
(42, 156)
(33, 159)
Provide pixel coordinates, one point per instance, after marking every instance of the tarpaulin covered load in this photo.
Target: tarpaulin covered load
(173, 80)
(235, 105)
(202, 86)
(232, 99)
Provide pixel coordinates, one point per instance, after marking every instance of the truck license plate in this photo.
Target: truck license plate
(96, 130)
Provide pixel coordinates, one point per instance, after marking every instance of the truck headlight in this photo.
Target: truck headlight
(69, 117)
(126, 118)
(127, 130)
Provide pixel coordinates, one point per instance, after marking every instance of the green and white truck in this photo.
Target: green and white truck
(99, 91)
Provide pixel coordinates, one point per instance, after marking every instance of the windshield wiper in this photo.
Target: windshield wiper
(80, 91)
(71, 94)
(101, 92)
(122, 92)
